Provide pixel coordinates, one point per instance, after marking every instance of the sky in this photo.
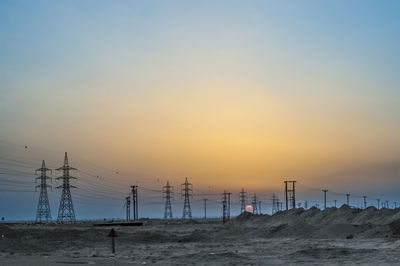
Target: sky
(231, 94)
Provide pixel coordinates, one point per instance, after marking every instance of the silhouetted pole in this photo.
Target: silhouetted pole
(135, 205)
(224, 206)
(387, 204)
(324, 190)
(365, 201)
(379, 200)
(229, 205)
(205, 208)
(128, 208)
(294, 195)
(275, 204)
(286, 196)
(290, 194)
(112, 234)
(348, 199)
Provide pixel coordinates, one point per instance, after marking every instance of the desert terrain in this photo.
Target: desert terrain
(335, 236)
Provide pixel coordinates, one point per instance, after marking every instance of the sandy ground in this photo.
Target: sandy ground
(294, 237)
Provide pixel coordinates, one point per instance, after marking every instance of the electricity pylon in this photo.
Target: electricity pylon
(43, 209)
(254, 204)
(66, 209)
(186, 193)
(167, 190)
(242, 199)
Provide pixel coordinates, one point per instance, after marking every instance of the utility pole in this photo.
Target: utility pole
(242, 199)
(324, 190)
(254, 203)
(66, 210)
(229, 205)
(186, 193)
(135, 204)
(128, 208)
(290, 195)
(348, 199)
(275, 204)
(224, 206)
(365, 201)
(43, 209)
(378, 203)
(205, 209)
(167, 190)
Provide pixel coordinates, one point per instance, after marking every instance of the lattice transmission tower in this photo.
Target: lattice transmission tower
(167, 191)
(43, 210)
(66, 210)
(242, 200)
(254, 204)
(186, 193)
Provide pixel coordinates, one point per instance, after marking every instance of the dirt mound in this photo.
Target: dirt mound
(343, 222)
(244, 216)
